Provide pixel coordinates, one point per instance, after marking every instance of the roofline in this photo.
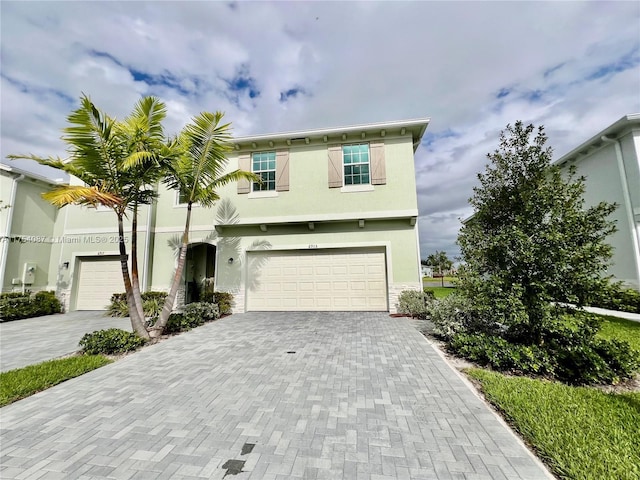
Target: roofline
(35, 176)
(421, 123)
(615, 129)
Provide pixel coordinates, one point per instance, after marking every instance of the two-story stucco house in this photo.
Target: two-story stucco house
(332, 226)
(610, 162)
(27, 225)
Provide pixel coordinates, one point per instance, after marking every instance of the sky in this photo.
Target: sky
(471, 67)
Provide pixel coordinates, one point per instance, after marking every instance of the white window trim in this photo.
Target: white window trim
(262, 193)
(362, 187)
(275, 171)
(177, 204)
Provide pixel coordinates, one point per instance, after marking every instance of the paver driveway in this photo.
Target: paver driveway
(364, 396)
(33, 340)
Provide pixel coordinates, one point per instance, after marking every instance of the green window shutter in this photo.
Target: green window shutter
(282, 170)
(378, 167)
(244, 163)
(335, 166)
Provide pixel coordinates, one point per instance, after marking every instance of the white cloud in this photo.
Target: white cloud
(560, 64)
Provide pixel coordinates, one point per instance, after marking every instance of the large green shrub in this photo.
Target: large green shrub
(110, 342)
(14, 306)
(451, 315)
(570, 352)
(532, 241)
(500, 354)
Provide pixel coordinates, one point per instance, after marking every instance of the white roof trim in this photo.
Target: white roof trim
(34, 176)
(616, 128)
(419, 123)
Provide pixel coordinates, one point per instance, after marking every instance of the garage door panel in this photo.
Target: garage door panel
(98, 278)
(346, 279)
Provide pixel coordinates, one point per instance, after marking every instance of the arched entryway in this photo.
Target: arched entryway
(199, 270)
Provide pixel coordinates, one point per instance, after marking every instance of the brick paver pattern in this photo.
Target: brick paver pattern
(364, 396)
(34, 340)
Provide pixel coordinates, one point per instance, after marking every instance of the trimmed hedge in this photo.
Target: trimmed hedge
(570, 353)
(415, 303)
(110, 342)
(14, 306)
(152, 303)
(614, 297)
(224, 300)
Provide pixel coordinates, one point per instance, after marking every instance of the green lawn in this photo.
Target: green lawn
(621, 329)
(580, 432)
(441, 292)
(438, 279)
(22, 382)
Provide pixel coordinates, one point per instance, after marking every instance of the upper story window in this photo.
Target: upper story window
(263, 164)
(182, 198)
(355, 159)
(357, 167)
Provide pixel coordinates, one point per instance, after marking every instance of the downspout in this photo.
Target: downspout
(417, 229)
(5, 244)
(627, 201)
(146, 272)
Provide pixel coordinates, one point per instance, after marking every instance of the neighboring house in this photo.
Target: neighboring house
(27, 225)
(333, 226)
(610, 162)
(427, 271)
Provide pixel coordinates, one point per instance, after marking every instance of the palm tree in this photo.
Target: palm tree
(147, 163)
(115, 161)
(197, 174)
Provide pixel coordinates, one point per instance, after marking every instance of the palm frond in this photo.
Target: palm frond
(54, 162)
(81, 195)
(138, 159)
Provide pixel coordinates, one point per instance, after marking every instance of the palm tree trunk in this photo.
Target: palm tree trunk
(136, 322)
(135, 283)
(177, 278)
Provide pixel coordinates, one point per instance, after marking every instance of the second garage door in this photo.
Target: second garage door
(318, 280)
(98, 278)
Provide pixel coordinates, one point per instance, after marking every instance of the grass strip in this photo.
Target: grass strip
(620, 329)
(23, 382)
(582, 433)
(441, 292)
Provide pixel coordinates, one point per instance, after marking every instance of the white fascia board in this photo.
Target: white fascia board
(615, 129)
(327, 217)
(419, 124)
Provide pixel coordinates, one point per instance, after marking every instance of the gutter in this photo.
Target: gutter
(5, 244)
(149, 244)
(627, 201)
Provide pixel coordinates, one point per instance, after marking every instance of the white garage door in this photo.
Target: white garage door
(336, 279)
(98, 278)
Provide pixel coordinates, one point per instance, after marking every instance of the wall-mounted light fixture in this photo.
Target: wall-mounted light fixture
(230, 261)
(65, 265)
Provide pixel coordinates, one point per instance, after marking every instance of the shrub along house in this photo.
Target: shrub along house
(332, 226)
